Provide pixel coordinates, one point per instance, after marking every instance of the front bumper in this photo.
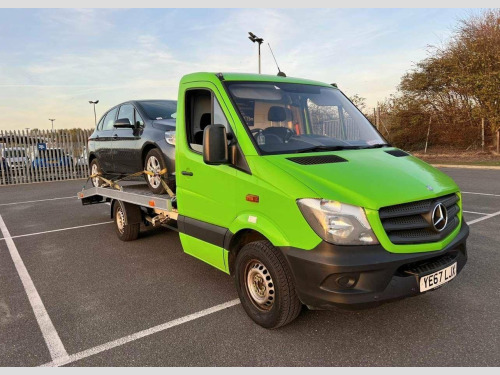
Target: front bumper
(332, 275)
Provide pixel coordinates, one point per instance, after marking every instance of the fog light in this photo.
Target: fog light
(346, 281)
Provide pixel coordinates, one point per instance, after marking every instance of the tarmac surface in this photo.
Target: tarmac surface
(72, 294)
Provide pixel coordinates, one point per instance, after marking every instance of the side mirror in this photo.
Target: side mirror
(215, 150)
(123, 123)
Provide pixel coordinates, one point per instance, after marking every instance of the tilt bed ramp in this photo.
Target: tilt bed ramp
(132, 205)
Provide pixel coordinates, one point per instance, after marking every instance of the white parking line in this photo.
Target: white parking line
(475, 213)
(489, 216)
(470, 192)
(140, 334)
(39, 200)
(55, 230)
(50, 335)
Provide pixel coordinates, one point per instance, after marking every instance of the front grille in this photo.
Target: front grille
(411, 223)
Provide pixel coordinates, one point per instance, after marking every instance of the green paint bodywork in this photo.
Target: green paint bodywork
(216, 194)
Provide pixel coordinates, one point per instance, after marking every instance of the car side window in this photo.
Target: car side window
(99, 125)
(109, 121)
(138, 119)
(127, 111)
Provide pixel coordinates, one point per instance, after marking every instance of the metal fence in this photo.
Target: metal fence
(336, 129)
(44, 155)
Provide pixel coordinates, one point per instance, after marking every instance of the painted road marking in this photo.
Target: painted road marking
(140, 334)
(50, 335)
(39, 200)
(56, 230)
(476, 213)
(483, 218)
(470, 192)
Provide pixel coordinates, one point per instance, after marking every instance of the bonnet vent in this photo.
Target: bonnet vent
(320, 159)
(397, 153)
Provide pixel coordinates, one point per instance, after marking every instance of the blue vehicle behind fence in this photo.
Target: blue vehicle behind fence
(51, 157)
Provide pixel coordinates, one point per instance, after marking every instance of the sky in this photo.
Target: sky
(53, 61)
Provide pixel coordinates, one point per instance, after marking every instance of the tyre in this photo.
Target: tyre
(265, 285)
(94, 169)
(154, 162)
(125, 232)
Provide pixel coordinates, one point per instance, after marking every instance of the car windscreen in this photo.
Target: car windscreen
(159, 109)
(288, 118)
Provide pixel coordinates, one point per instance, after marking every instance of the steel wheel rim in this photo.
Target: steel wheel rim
(120, 220)
(95, 180)
(259, 285)
(153, 165)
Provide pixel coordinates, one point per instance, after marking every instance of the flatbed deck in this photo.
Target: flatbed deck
(138, 194)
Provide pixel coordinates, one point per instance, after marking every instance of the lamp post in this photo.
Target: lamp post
(52, 120)
(94, 102)
(255, 39)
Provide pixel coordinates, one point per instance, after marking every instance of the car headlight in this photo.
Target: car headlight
(336, 222)
(170, 137)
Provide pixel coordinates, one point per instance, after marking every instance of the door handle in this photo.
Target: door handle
(186, 173)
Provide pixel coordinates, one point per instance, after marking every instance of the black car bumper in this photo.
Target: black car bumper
(332, 275)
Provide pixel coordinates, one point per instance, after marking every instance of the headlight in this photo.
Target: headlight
(336, 222)
(170, 137)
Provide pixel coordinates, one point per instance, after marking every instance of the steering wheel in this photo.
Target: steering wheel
(289, 134)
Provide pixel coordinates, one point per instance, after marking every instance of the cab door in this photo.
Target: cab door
(205, 193)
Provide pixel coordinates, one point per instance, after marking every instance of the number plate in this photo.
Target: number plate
(438, 278)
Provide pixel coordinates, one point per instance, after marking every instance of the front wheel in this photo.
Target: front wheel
(265, 285)
(155, 163)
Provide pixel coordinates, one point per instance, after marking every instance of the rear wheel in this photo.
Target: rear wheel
(95, 168)
(265, 285)
(125, 232)
(155, 163)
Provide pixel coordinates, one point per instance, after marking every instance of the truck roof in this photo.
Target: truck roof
(209, 76)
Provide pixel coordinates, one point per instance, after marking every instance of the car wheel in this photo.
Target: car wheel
(265, 285)
(94, 169)
(154, 162)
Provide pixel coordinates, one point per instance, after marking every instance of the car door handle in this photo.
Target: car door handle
(186, 173)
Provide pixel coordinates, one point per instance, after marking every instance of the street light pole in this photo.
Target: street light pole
(52, 120)
(94, 102)
(255, 39)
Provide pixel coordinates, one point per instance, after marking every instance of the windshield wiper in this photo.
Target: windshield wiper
(328, 148)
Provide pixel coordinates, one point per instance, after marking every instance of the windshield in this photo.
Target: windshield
(285, 118)
(159, 109)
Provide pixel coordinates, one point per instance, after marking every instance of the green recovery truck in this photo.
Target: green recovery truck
(293, 192)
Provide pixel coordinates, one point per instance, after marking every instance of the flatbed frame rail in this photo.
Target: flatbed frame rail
(133, 194)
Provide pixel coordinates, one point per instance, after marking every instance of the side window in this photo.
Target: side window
(109, 121)
(99, 125)
(198, 116)
(138, 119)
(202, 109)
(127, 111)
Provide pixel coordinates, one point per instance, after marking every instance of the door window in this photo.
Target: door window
(202, 109)
(109, 121)
(127, 111)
